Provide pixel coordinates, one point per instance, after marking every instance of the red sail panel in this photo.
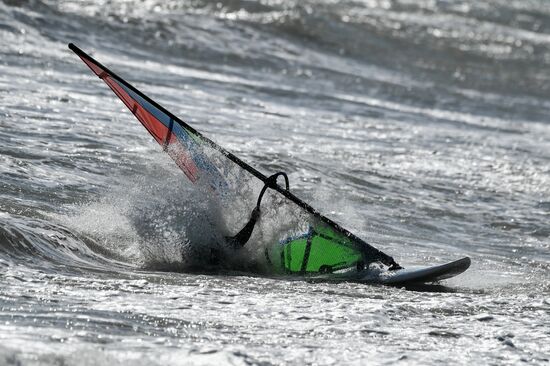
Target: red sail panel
(160, 132)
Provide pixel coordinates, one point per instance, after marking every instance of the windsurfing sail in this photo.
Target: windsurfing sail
(304, 241)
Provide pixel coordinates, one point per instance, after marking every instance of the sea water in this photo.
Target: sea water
(421, 126)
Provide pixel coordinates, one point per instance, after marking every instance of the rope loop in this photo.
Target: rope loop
(271, 182)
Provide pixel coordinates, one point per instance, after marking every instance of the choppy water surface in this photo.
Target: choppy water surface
(420, 125)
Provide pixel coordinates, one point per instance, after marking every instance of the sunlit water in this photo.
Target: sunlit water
(422, 126)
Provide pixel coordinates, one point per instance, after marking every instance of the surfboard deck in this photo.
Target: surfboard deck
(428, 274)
